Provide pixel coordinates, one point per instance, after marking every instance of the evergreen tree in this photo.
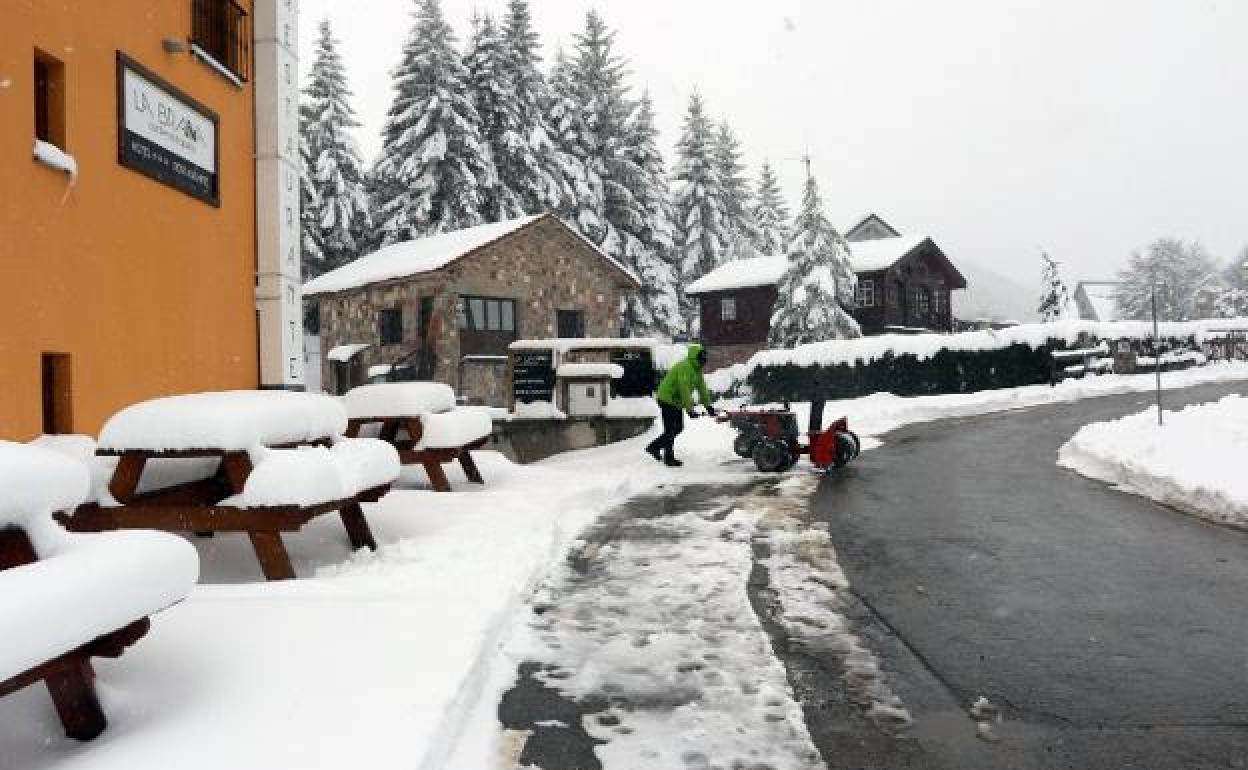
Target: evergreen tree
(819, 282)
(1185, 277)
(700, 237)
(583, 207)
(655, 310)
(598, 84)
(334, 205)
(490, 85)
(1056, 298)
(740, 230)
(771, 214)
(433, 160)
(528, 161)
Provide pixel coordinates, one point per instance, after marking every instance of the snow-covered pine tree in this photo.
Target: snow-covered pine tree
(771, 214)
(819, 282)
(526, 157)
(700, 238)
(655, 310)
(433, 159)
(740, 230)
(334, 206)
(1180, 271)
(598, 81)
(1055, 297)
(583, 207)
(490, 86)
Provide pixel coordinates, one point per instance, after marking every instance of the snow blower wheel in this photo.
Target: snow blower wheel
(744, 443)
(847, 448)
(771, 456)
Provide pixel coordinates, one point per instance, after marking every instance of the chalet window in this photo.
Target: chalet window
(49, 100)
(426, 317)
(570, 323)
(728, 309)
(938, 301)
(922, 301)
(486, 314)
(221, 33)
(866, 293)
(391, 326)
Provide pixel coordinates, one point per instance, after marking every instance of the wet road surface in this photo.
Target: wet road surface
(1111, 631)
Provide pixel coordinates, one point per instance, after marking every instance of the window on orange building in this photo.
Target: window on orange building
(49, 100)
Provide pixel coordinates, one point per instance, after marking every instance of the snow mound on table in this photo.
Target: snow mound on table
(85, 586)
(1195, 461)
(399, 399)
(451, 430)
(35, 481)
(230, 420)
(307, 476)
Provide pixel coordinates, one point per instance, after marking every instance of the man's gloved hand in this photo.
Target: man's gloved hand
(693, 415)
(711, 411)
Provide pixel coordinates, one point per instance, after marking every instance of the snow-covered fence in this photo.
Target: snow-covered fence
(927, 364)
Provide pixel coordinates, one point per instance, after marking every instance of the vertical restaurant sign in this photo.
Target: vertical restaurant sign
(165, 134)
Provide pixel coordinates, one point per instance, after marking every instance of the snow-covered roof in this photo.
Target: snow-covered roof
(1101, 297)
(566, 344)
(882, 253)
(866, 256)
(853, 224)
(741, 274)
(344, 353)
(423, 255)
(591, 369)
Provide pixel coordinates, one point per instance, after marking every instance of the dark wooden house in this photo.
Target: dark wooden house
(905, 285)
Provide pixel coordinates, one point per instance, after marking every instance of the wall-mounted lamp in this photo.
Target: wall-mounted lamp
(173, 45)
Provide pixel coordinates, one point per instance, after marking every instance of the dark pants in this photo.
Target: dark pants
(673, 424)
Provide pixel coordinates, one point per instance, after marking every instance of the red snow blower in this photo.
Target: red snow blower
(771, 439)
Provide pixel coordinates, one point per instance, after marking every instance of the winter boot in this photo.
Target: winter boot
(654, 452)
(669, 459)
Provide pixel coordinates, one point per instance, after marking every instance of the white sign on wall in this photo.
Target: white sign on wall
(165, 134)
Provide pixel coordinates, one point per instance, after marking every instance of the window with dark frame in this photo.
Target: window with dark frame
(49, 74)
(493, 314)
(922, 301)
(865, 294)
(569, 323)
(221, 29)
(58, 416)
(728, 309)
(391, 326)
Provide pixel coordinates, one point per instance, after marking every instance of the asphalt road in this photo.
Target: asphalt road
(1113, 632)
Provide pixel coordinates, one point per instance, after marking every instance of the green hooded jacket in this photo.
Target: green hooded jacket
(678, 384)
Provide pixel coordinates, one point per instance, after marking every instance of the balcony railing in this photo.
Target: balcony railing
(222, 29)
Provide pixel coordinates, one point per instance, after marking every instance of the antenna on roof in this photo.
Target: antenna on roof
(805, 159)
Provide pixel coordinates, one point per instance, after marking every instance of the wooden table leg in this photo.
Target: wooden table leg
(437, 476)
(470, 467)
(357, 527)
(73, 691)
(125, 481)
(271, 553)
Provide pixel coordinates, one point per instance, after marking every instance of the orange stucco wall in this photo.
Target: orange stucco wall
(149, 290)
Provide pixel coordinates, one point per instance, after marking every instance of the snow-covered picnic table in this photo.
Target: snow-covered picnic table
(260, 462)
(66, 598)
(421, 421)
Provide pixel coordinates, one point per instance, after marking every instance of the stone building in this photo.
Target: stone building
(446, 307)
(905, 285)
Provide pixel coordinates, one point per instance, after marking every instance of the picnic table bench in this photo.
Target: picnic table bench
(262, 463)
(421, 421)
(69, 598)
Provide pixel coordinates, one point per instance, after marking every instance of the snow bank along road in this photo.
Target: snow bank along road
(1109, 629)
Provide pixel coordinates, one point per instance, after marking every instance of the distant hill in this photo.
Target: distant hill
(991, 295)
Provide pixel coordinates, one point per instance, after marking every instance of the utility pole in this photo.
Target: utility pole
(1157, 354)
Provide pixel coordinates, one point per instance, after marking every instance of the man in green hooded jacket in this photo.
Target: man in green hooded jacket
(675, 399)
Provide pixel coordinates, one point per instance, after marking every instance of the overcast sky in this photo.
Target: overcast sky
(999, 127)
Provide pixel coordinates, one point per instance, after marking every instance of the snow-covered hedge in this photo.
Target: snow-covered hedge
(927, 364)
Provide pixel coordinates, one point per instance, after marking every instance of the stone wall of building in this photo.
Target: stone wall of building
(544, 267)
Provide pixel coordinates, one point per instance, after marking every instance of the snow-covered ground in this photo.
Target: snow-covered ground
(1195, 461)
(389, 659)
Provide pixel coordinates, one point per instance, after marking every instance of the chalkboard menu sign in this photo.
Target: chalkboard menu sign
(533, 376)
(639, 380)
